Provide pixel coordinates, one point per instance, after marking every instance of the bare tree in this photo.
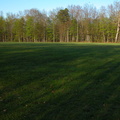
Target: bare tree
(53, 18)
(117, 10)
(76, 13)
(118, 28)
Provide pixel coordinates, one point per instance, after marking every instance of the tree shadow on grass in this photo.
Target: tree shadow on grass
(86, 99)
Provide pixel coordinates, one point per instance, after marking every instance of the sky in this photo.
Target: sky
(14, 6)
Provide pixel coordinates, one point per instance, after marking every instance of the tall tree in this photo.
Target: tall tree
(2, 28)
(76, 15)
(19, 29)
(10, 23)
(117, 10)
(53, 19)
(63, 20)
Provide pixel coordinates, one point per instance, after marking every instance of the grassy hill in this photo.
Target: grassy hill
(59, 81)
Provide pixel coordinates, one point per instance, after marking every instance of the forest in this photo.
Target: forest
(72, 24)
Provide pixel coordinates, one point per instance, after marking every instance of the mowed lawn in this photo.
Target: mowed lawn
(59, 81)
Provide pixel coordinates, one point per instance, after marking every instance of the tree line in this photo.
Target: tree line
(73, 24)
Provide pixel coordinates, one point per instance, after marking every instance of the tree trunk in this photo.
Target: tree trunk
(104, 37)
(88, 38)
(73, 38)
(11, 37)
(34, 39)
(118, 29)
(19, 39)
(60, 37)
(77, 32)
(3, 38)
(53, 33)
(67, 35)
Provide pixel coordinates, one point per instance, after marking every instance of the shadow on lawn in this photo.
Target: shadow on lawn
(66, 82)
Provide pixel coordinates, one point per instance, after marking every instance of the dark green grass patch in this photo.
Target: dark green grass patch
(59, 81)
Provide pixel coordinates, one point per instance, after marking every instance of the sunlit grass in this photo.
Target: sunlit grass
(59, 81)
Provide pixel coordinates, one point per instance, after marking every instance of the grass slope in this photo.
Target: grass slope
(59, 81)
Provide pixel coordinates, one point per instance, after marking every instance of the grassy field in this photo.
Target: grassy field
(59, 81)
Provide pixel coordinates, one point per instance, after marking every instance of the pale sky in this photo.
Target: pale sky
(14, 6)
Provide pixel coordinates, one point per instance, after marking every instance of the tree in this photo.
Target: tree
(29, 29)
(90, 14)
(63, 20)
(53, 19)
(2, 28)
(19, 29)
(118, 29)
(76, 16)
(9, 26)
(117, 9)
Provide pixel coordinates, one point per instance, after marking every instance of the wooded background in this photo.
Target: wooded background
(72, 24)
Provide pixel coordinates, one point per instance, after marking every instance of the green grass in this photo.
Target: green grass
(59, 81)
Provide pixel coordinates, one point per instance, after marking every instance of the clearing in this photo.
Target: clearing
(59, 81)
